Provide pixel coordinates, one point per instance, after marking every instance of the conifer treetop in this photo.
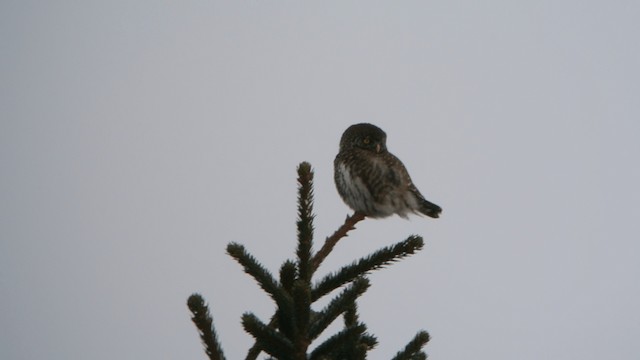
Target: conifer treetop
(296, 326)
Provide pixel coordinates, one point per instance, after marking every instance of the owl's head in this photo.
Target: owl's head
(364, 136)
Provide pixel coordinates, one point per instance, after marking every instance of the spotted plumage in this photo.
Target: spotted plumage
(373, 181)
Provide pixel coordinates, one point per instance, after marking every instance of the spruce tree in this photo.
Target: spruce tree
(292, 331)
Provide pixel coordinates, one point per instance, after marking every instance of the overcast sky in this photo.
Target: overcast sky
(138, 138)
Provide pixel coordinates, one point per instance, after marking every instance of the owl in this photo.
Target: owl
(373, 181)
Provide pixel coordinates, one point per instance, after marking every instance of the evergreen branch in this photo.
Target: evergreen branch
(286, 322)
(356, 347)
(257, 271)
(330, 242)
(305, 220)
(351, 319)
(302, 306)
(337, 306)
(204, 322)
(369, 340)
(285, 313)
(376, 260)
(336, 343)
(270, 340)
(288, 275)
(256, 349)
(359, 352)
(413, 350)
(351, 315)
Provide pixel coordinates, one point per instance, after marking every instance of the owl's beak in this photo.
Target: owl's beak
(378, 148)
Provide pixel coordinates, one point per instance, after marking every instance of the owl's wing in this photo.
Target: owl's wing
(424, 206)
(385, 175)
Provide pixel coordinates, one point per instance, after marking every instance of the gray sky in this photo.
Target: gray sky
(138, 138)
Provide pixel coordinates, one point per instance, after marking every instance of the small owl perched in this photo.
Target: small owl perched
(373, 181)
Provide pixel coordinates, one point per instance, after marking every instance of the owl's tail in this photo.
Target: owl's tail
(430, 209)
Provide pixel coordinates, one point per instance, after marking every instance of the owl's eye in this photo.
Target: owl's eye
(366, 141)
